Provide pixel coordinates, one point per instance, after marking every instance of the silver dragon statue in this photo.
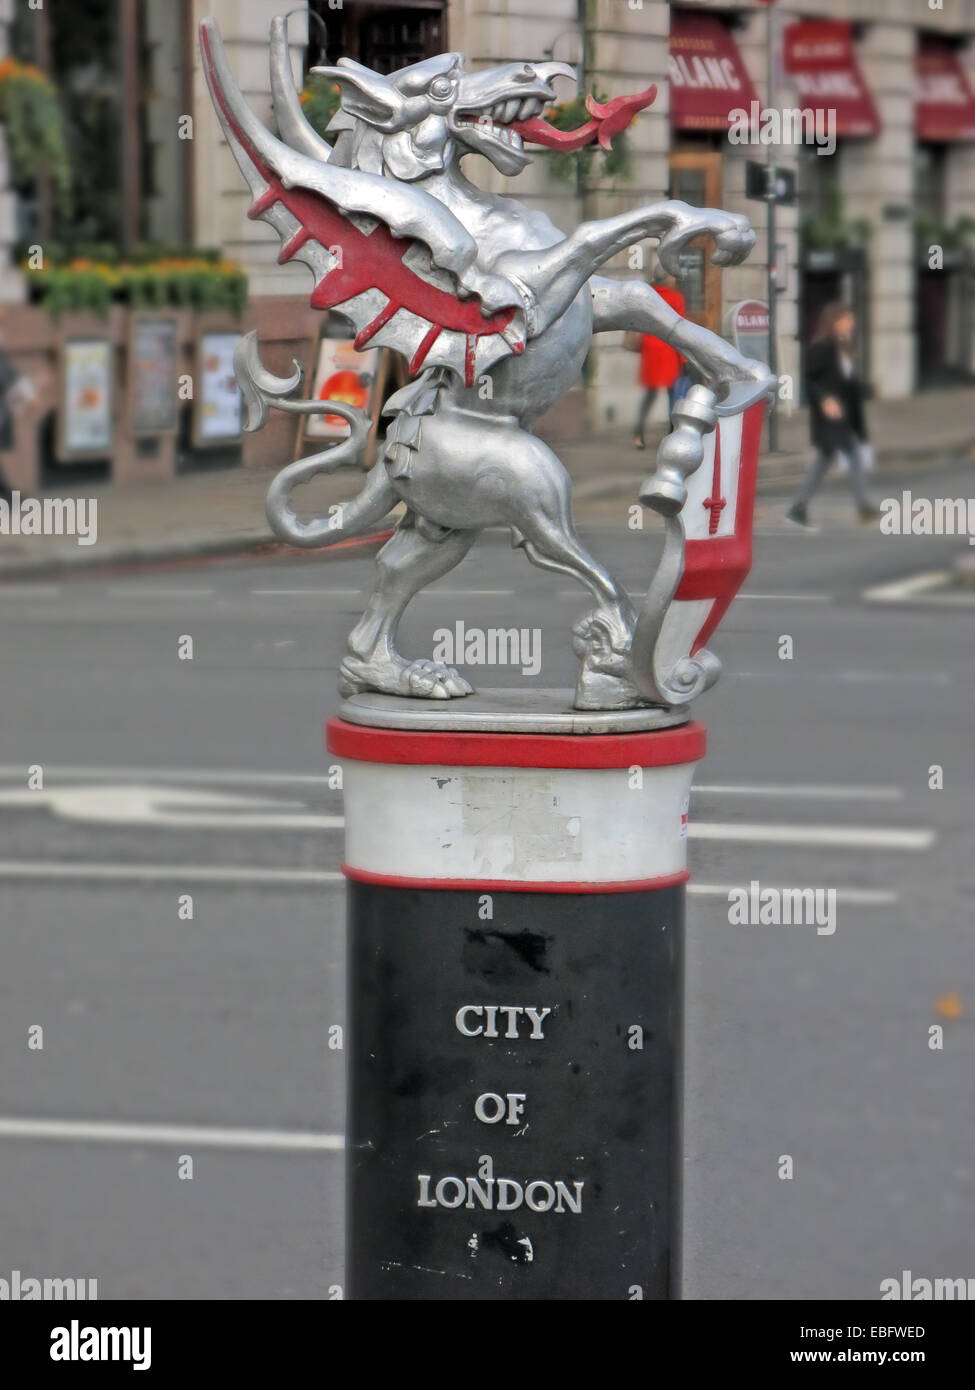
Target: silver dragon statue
(468, 285)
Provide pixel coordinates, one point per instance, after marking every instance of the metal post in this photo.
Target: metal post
(771, 285)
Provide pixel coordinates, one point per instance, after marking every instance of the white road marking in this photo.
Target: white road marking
(852, 677)
(314, 593)
(186, 1136)
(465, 593)
(133, 805)
(901, 589)
(801, 792)
(168, 807)
(836, 836)
(233, 776)
(128, 592)
(15, 590)
(860, 897)
(790, 598)
(164, 774)
(165, 873)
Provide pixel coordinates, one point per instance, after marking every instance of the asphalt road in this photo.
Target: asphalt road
(166, 1036)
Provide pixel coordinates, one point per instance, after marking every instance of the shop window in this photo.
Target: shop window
(380, 35)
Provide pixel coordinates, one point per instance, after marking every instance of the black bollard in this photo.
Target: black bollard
(515, 952)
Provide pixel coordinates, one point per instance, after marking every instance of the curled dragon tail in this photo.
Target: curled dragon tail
(263, 391)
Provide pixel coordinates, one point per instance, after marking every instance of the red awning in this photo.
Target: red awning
(707, 76)
(944, 107)
(820, 58)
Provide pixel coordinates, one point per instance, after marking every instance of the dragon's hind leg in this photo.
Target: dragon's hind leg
(540, 515)
(416, 555)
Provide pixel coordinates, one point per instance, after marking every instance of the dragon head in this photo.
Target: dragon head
(413, 120)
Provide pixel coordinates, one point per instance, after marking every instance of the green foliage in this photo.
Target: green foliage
(613, 163)
(182, 279)
(31, 116)
(931, 230)
(319, 101)
(831, 231)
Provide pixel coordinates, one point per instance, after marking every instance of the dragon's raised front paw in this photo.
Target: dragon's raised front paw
(732, 233)
(733, 243)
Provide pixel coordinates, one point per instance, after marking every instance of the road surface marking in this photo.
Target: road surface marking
(209, 873)
(465, 593)
(836, 836)
(173, 808)
(853, 677)
(790, 598)
(165, 873)
(861, 897)
(900, 589)
(8, 590)
(233, 777)
(163, 774)
(799, 792)
(315, 593)
(119, 591)
(168, 807)
(186, 1136)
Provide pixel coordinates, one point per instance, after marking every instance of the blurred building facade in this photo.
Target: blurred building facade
(882, 220)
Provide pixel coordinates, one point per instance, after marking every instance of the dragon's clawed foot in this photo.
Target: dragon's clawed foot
(424, 679)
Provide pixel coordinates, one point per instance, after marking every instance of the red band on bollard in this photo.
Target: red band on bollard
(433, 748)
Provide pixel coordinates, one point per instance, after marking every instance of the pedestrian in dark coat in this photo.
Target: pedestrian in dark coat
(837, 420)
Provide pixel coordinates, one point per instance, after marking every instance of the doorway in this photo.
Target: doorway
(695, 178)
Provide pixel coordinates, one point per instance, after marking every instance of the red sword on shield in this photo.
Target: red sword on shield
(715, 503)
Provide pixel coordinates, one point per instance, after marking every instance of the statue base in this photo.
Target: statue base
(515, 710)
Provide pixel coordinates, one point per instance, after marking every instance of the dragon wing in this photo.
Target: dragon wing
(391, 258)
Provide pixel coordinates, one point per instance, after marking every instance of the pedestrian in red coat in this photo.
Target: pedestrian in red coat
(660, 364)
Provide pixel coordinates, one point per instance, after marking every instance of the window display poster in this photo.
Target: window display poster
(153, 361)
(341, 374)
(219, 404)
(86, 399)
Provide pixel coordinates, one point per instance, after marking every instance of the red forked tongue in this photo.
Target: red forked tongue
(607, 120)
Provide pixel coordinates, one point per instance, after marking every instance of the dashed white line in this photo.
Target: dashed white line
(851, 677)
(119, 592)
(27, 869)
(311, 593)
(800, 792)
(29, 591)
(187, 1136)
(165, 774)
(466, 593)
(836, 836)
(900, 589)
(789, 598)
(859, 897)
